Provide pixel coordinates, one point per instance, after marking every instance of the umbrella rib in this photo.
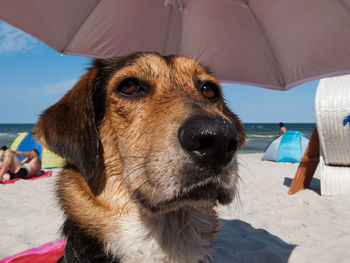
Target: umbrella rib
(79, 28)
(281, 78)
(345, 5)
(179, 41)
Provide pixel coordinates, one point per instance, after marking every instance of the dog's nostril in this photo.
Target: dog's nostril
(232, 146)
(205, 143)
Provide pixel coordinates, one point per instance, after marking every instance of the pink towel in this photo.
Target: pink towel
(47, 253)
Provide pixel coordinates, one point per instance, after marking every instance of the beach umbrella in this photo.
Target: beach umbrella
(275, 44)
(25, 141)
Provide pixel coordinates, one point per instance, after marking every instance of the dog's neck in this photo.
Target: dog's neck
(126, 235)
(178, 236)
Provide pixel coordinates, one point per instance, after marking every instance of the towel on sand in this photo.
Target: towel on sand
(42, 174)
(47, 253)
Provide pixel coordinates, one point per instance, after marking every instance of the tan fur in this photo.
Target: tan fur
(139, 151)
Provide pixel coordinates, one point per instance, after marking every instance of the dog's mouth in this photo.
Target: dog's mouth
(189, 186)
(205, 193)
(206, 185)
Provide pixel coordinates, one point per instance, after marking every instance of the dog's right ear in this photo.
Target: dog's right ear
(68, 127)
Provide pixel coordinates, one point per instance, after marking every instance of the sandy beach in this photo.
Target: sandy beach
(264, 224)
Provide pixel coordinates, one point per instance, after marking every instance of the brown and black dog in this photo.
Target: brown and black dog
(150, 148)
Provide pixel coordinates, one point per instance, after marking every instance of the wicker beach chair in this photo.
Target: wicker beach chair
(332, 108)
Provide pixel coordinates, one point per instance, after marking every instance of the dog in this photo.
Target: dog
(150, 149)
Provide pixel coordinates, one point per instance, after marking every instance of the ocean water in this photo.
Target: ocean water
(259, 135)
(8, 132)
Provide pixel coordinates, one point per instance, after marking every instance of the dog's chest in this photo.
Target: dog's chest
(163, 239)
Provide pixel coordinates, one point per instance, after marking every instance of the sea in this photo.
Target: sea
(259, 135)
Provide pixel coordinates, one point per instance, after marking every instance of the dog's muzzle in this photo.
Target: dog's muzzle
(211, 141)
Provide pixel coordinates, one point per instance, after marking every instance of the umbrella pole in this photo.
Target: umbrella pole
(307, 166)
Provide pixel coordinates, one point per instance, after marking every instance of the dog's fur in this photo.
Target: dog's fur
(125, 190)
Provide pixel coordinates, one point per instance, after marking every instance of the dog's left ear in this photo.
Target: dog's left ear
(68, 128)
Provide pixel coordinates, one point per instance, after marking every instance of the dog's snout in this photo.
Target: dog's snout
(212, 141)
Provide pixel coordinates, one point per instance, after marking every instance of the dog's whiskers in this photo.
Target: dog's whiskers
(126, 177)
(150, 187)
(133, 156)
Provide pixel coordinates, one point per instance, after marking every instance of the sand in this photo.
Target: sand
(264, 224)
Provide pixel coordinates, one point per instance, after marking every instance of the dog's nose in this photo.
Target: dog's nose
(212, 141)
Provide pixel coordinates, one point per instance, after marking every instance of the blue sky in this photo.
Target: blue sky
(33, 76)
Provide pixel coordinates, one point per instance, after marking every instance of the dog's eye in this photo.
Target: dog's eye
(210, 91)
(130, 88)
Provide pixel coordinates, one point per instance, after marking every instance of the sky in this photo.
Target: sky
(33, 77)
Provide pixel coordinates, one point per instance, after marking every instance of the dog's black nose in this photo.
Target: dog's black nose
(210, 140)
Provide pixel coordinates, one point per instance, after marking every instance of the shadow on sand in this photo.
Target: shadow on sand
(238, 241)
(315, 184)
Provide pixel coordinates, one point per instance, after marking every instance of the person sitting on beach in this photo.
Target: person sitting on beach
(2, 151)
(283, 129)
(13, 168)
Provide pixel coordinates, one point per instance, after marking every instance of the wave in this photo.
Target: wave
(8, 135)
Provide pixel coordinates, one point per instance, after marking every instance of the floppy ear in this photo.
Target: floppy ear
(68, 127)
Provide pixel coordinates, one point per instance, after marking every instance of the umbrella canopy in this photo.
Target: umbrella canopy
(269, 43)
(25, 142)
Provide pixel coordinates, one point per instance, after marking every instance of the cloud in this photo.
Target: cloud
(56, 88)
(14, 40)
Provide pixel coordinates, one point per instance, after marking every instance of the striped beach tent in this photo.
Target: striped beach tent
(25, 142)
(289, 147)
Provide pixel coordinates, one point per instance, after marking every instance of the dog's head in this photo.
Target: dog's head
(158, 124)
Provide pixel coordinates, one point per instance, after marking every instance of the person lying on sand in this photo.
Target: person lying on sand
(2, 151)
(13, 168)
